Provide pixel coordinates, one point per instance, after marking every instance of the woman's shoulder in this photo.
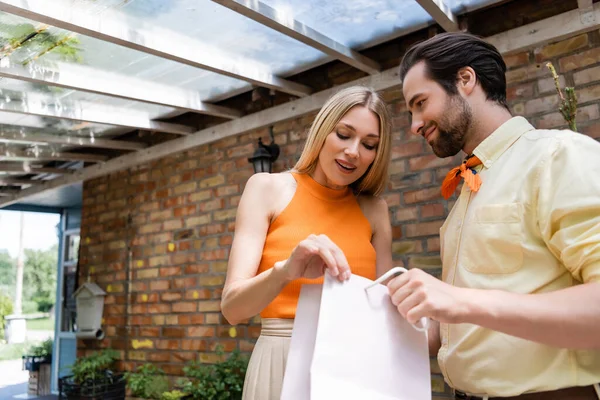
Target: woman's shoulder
(372, 204)
(267, 181)
(375, 209)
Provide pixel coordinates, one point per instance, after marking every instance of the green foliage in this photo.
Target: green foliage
(220, 381)
(39, 278)
(172, 395)
(93, 367)
(8, 272)
(29, 43)
(13, 351)
(43, 349)
(6, 308)
(148, 382)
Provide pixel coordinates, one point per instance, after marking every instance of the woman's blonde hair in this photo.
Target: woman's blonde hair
(374, 181)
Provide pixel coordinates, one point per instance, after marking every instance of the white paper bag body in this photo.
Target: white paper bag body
(352, 344)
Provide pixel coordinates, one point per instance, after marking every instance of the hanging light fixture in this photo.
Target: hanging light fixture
(265, 155)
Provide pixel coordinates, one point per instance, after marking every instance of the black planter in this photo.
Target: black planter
(107, 388)
(32, 363)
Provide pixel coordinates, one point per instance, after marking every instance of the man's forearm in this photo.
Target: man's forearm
(433, 336)
(568, 318)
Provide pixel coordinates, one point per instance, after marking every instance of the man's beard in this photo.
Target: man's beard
(453, 127)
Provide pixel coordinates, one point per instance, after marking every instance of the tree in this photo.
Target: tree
(7, 273)
(39, 280)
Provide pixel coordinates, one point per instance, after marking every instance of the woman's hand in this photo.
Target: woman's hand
(311, 257)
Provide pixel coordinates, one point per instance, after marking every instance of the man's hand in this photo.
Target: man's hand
(417, 294)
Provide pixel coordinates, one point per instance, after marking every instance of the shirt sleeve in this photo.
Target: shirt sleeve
(569, 204)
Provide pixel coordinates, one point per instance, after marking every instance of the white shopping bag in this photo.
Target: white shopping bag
(351, 343)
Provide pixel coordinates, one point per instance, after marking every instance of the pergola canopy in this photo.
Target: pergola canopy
(78, 77)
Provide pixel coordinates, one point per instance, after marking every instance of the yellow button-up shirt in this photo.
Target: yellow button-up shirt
(533, 227)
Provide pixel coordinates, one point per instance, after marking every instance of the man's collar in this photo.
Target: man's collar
(501, 139)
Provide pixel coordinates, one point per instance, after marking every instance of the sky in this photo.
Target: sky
(40, 231)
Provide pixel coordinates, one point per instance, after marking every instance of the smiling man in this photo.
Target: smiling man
(518, 306)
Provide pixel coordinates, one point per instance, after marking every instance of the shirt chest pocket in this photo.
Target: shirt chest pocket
(493, 241)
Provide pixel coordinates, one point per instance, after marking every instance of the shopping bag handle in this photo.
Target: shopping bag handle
(423, 324)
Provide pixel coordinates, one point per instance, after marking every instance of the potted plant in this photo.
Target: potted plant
(38, 361)
(93, 379)
(38, 355)
(220, 381)
(147, 382)
(173, 395)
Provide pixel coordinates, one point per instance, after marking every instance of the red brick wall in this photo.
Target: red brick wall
(156, 237)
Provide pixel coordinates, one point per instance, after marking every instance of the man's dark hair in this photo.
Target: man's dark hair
(445, 54)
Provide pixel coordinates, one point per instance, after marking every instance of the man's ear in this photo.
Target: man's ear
(466, 80)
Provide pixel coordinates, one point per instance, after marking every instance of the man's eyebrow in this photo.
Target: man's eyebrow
(412, 99)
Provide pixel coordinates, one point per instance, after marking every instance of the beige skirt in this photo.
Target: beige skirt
(264, 377)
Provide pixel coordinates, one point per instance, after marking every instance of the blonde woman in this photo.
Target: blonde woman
(323, 216)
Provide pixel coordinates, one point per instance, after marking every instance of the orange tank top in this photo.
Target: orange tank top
(316, 209)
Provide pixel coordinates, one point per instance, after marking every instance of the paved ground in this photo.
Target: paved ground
(13, 381)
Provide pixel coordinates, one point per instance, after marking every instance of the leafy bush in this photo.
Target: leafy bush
(148, 382)
(6, 308)
(172, 395)
(220, 381)
(43, 349)
(94, 367)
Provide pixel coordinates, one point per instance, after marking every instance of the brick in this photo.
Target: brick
(160, 285)
(524, 91)
(172, 224)
(541, 104)
(184, 211)
(184, 188)
(418, 196)
(147, 273)
(211, 243)
(183, 356)
(529, 72)
(212, 205)
(170, 271)
(199, 220)
(556, 120)
(225, 214)
(424, 229)
(425, 262)
(587, 76)
(162, 356)
(432, 210)
(580, 60)
(548, 86)
(592, 131)
(515, 60)
(208, 306)
(429, 161)
(183, 234)
(227, 190)
(160, 215)
(136, 355)
(590, 93)
(406, 214)
(185, 306)
(193, 344)
(563, 47)
(406, 247)
(200, 331)
(159, 308)
(211, 280)
(173, 332)
(213, 318)
(433, 244)
(213, 181)
(407, 150)
(171, 296)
